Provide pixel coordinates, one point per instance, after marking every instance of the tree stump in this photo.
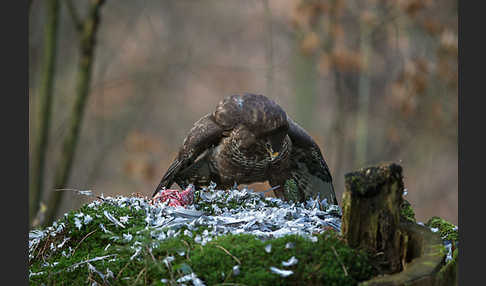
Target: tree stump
(371, 213)
(406, 253)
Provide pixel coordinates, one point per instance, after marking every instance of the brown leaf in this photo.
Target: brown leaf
(310, 43)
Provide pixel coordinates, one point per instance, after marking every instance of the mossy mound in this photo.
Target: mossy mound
(125, 241)
(447, 230)
(450, 235)
(112, 243)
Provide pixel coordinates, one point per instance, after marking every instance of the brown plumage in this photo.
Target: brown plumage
(249, 138)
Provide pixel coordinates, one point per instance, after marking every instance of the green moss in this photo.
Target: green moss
(85, 243)
(367, 181)
(322, 262)
(447, 230)
(407, 212)
(317, 264)
(448, 273)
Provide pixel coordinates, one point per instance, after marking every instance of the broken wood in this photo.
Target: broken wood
(406, 253)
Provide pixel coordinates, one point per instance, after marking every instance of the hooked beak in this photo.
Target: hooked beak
(274, 145)
(270, 151)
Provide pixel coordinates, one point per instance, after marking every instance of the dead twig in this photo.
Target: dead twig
(150, 251)
(93, 280)
(86, 236)
(121, 270)
(140, 273)
(188, 249)
(41, 252)
(339, 260)
(88, 193)
(227, 252)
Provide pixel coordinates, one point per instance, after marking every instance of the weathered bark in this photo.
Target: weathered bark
(87, 48)
(44, 112)
(408, 253)
(423, 261)
(371, 213)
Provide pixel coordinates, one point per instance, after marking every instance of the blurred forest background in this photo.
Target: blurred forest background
(371, 81)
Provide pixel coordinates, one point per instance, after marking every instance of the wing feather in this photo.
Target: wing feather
(307, 165)
(202, 135)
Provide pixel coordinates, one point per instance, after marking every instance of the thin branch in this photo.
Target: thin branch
(74, 15)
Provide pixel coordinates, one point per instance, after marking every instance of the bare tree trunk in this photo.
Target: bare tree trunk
(339, 126)
(44, 111)
(88, 30)
(340, 130)
(363, 98)
(305, 88)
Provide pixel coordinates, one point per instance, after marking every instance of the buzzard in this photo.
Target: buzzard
(249, 138)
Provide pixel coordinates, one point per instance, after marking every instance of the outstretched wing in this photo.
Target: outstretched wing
(307, 166)
(202, 135)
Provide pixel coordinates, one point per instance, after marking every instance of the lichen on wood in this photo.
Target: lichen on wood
(423, 260)
(377, 218)
(371, 213)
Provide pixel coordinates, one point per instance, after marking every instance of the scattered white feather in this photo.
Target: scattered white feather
(78, 223)
(124, 219)
(127, 237)
(236, 270)
(289, 245)
(292, 261)
(168, 260)
(191, 277)
(283, 273)
(113, 219)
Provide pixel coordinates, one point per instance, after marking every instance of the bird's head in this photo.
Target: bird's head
(257, 119)
(274, 142)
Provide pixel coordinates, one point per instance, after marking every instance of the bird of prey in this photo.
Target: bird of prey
(249, 138)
